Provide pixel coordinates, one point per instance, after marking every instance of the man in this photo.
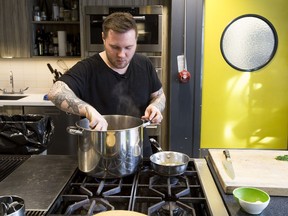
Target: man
(115, 81)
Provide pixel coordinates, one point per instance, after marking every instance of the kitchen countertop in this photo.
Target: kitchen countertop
(277, 206)
(39, 180)
(30, 100)
(48, 181)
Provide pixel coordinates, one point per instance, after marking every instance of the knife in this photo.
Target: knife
(227, 163)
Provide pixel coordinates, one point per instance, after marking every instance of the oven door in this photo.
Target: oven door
(149, 30)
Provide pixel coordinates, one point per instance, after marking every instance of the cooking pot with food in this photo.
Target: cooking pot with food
(168, 163)
(114, 153)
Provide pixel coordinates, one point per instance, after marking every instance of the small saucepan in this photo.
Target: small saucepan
(168, 163)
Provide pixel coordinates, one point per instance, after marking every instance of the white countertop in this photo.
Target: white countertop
(30, 100)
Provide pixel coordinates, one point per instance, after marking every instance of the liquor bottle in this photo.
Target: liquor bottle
(74, 14)
(41, 41)
(46, 44)
(43, 11)
(35, 49)
(51, 45)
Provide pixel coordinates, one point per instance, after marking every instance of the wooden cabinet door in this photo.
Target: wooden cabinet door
(15, 40)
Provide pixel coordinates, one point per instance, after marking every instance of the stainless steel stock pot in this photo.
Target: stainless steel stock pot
(114, 153)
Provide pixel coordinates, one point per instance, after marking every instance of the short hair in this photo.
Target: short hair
(119, 22)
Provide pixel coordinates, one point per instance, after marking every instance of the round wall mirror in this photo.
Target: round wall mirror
(249, 43)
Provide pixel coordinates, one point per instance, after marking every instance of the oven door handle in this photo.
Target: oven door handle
(135, 17)
(139, 17)
(96, 21)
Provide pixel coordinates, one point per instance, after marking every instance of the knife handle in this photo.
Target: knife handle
(50, 68)
(227, 154)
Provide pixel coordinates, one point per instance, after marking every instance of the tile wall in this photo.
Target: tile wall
(32, 73)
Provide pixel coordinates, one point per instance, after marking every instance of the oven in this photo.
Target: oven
(148, 19)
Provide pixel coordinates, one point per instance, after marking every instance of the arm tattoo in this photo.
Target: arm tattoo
(65, 99)
(158, 99)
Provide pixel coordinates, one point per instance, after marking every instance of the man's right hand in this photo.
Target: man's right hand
(65, 99)
(96, 120)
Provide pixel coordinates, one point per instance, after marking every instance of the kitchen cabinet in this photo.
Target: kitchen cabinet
(49, 29)
(45, 41)
(14, 28)
(11, 110)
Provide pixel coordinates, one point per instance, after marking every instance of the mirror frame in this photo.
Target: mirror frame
(272, 53)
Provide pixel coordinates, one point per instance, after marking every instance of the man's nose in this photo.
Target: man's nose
(121, 53)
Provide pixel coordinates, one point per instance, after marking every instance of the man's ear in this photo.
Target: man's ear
(103, 37)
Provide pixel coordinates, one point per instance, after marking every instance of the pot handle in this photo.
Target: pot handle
(155, 144)
(146, 124)
(74, 130)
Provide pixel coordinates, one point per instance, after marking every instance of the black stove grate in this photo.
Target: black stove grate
(86, 195)
(178, 195)
(8, 163)
(144, 192)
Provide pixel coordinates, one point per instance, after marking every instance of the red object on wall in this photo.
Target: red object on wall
(184, 76)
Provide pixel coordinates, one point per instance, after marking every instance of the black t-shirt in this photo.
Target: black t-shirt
(114, 94)
(109, 92)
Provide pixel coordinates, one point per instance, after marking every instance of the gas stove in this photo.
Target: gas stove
(192, 193)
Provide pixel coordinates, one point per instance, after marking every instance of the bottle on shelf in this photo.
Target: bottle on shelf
(55, 45)
(35, 48)
(61, 11)
(55, 11)
(51, 45)
(36, 13)
(74, 13)
(44, 10)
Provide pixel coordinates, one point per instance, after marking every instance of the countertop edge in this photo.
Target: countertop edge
(30, 100)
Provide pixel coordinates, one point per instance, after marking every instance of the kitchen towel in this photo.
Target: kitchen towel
(62, 42)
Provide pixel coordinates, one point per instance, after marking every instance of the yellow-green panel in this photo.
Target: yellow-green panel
(244, 109)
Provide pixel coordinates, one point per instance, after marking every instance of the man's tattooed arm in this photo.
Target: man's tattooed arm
(65, 99)
(158, 99)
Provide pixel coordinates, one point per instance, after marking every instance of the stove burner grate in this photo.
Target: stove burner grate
(171, 208)
(144, 192)
(169, 186)
(82, 205)
(181, 195)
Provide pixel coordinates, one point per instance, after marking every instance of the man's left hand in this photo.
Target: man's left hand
(153, 114)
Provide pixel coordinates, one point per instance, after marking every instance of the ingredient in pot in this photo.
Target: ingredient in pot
(283, 158)
(171, 163)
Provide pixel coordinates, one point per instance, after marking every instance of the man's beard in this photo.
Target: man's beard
(116, 64)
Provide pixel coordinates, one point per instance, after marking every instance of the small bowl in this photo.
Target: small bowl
(252, 200)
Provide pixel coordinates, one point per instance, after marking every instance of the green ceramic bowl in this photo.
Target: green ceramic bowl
(252, 200)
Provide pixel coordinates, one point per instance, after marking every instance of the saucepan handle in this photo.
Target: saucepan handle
(155, 144)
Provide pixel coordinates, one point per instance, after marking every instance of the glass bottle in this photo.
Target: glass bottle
(36, 13)
(55, 11)
(74, 13)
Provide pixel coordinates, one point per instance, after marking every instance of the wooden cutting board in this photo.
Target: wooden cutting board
(253, 168)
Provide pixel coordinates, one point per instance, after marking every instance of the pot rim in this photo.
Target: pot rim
(115, 130)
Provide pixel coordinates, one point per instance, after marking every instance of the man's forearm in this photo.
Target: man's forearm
(65, 99)
(159, 100)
